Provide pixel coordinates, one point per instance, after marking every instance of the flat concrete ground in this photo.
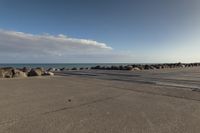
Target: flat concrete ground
(161, 101)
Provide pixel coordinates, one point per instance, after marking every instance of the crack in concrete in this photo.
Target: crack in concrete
(62, 109)
(84, 104)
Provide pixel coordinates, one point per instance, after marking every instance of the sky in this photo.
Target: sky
(99, 31)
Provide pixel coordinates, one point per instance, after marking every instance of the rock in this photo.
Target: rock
(69, 100)
(40, 68)
(57, 69)
(19, 74)
(157, 66)
(160, 67)
(48, 74)
(25, 70)
(103, 68)
(81, 68)
(51, 69)
(183, 66)
(96, 67)
(129, 68)
(141, 67)
(6, 72)
(179, 64)
(36, 72)
(136, 69)
(107, 68)
(188, 65)
(87, 68)
(134, 65)
(11, 73)
(74, 68)
(115, 68)
(152, 67)
(62, 69)
(164, 66)
(121, 67)
(147, 67)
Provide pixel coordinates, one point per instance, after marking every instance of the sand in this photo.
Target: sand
(160, 101)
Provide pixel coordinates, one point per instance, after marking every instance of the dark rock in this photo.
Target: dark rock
(157, 66)
(129, 68)
(96, 67)
(74, 68)
(36, 72)
(114, 68)
(63, 69)
(121, 67)
(146, 67)
(69, 100)
(25, 69)
(51, 69)
(87, 68)
(57, 70)
(81, 68)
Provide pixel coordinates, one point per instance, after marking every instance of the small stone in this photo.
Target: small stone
(69, 100)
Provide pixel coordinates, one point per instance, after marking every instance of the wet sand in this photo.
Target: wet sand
(99, 101)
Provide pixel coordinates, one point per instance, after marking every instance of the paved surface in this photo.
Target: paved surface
(166, 101)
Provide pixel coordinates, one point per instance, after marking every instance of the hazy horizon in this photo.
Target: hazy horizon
(106, 31)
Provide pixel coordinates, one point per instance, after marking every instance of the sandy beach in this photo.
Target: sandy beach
(100, 101)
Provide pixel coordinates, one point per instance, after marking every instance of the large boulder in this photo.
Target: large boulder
(6, 72)
(157, 66)
(96, 67)
(136, 69)
(87, 68)
(48, 74)
(129, 68)
(121, 67)
(19, 74)
(115, 68)
(141, 67)
(51, 69)
(81, 68)
(36, 72)
(62, 69)
(147, 67)
(74, 68)
(25, 70)
(1, 73)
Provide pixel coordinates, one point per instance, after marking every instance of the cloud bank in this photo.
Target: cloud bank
(19, 47)
(35, 47)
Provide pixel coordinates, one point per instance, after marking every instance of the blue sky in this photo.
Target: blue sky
(89, 31)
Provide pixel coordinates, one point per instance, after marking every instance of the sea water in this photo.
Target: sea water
(61, 65)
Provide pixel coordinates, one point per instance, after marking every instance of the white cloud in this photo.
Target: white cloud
(19, 47)
(23, 45)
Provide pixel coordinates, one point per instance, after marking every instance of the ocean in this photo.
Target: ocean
(61, 65)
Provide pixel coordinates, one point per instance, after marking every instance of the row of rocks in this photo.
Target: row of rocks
(9, 72)
(67, 69)
(130, 67)
(145, 66)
